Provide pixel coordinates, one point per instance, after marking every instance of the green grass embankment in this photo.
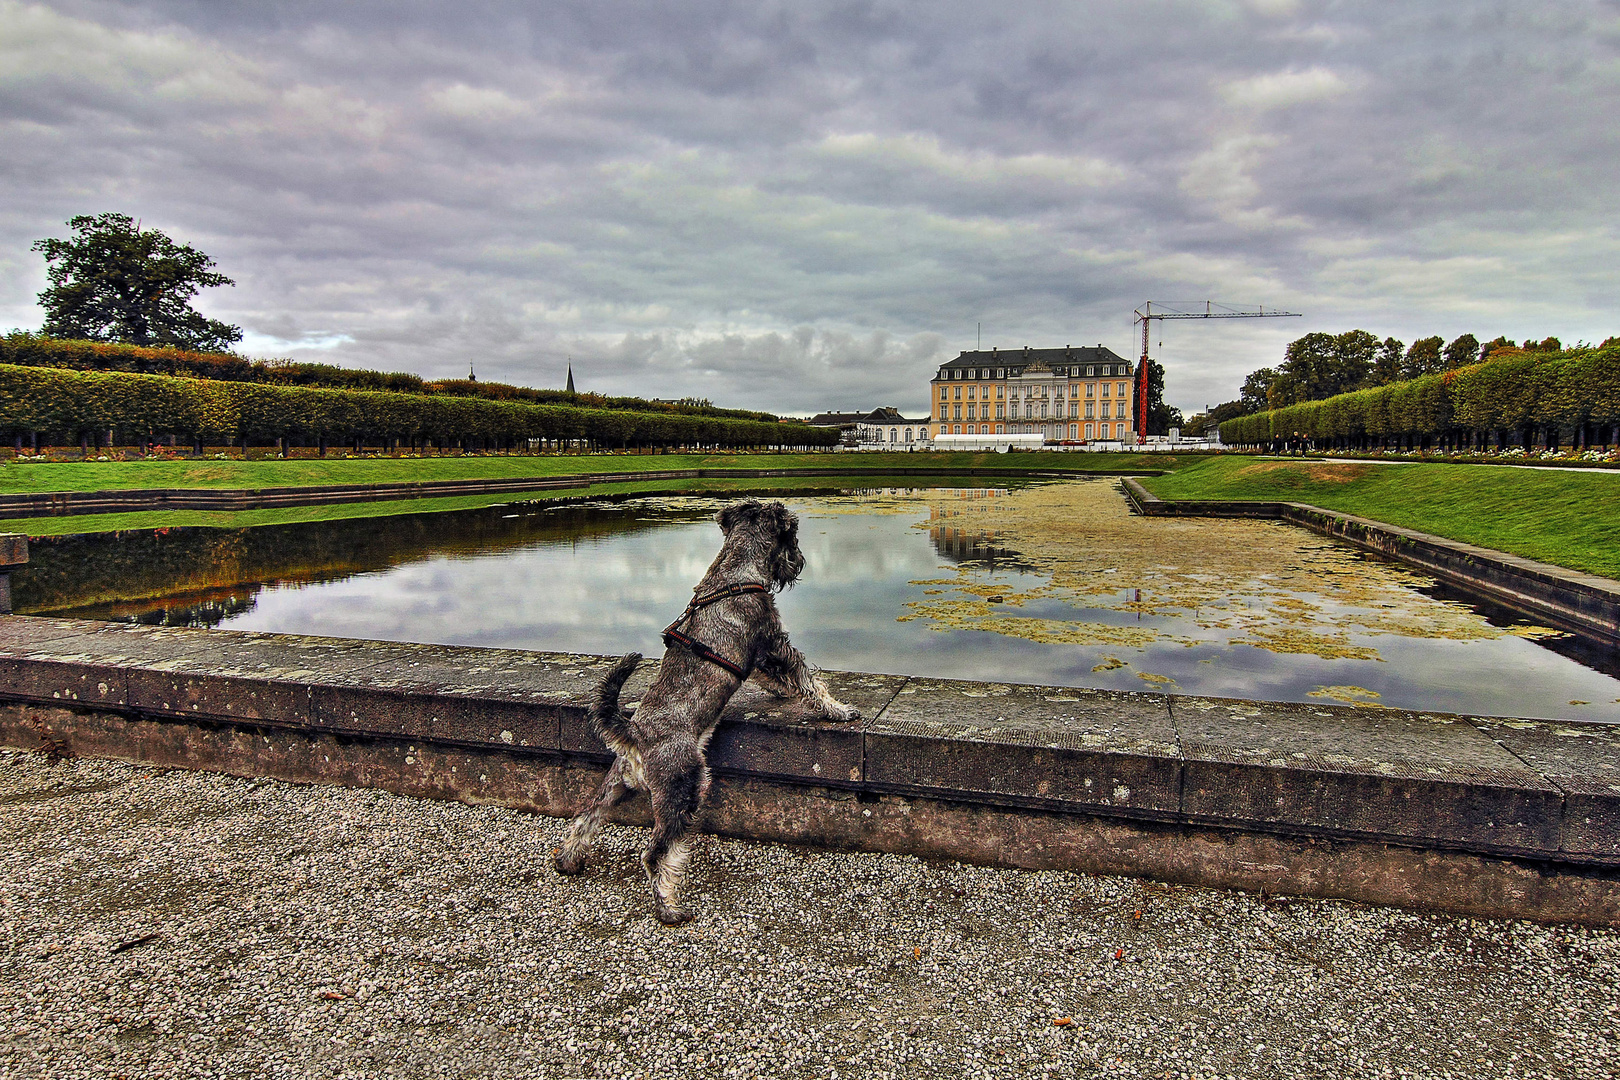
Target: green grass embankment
(1569, 519)
(28, 477)
(173, 519)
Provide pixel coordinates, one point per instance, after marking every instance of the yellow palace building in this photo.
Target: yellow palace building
(1066, 395)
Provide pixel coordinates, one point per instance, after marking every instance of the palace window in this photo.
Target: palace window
(1091, 369)
(1074, 409)
(959, 412)
(1088, 431)
(1121, 390)
(1001, 373)
(1001, 411)
(1104, 389)
(1090, 387)
(958, 394)
(1001, 391)
(1089, 412)
(971, 394)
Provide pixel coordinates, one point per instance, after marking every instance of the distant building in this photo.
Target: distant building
(886, 429)
(1063, 395)
(880, 429)
(836, 419)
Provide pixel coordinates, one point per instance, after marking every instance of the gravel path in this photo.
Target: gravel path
(172, 923)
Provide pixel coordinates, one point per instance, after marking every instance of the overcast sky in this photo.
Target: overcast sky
(808, 205)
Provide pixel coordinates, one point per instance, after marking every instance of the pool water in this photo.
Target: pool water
(1048, 583)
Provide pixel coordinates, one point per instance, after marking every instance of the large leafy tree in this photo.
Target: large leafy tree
(1320, 365)
(1424, 358)
(1256, 392)
(1387, 364)
(1462, 352)
(114, 281)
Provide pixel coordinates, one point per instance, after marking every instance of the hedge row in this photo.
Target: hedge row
(1513, 398)
(37, 350)
(54, 406)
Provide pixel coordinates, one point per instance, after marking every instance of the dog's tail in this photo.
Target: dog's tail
(607, 719)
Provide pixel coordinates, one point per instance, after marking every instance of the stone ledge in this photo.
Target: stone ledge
(1548, 792)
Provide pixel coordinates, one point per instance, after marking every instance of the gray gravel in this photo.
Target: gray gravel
(172, 923)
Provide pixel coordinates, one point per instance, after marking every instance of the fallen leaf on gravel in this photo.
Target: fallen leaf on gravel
(1063, 1021)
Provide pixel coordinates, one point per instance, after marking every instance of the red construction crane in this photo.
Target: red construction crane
(1184, 310)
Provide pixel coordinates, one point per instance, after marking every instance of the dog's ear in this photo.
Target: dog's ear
(781, 520)
(733, 514)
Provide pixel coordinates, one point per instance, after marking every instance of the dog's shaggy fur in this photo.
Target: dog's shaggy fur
(660, 745)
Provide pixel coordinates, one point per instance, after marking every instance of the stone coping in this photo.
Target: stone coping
(1583, 603)
(1547, 791)
(135, 500)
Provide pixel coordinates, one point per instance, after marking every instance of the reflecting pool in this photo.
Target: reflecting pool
(1047, 583)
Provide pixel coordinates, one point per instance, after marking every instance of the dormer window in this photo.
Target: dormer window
(1091, 370)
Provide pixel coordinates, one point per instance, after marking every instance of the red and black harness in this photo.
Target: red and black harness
(672, 636)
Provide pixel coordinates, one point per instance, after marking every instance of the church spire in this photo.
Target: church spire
(571, 375)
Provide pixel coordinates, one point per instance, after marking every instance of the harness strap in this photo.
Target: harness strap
(672, 636)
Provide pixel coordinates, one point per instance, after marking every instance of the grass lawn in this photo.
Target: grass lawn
(1570, 519)
(299, 472)
(174, 519)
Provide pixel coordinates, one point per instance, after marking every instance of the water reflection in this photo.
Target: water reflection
(1051, 584)
(957, 535)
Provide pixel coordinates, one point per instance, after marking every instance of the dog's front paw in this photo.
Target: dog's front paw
(840, 713)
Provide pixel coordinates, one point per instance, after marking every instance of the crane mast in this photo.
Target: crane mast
(1174, 310)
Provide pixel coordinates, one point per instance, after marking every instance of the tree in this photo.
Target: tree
(1494, 344)
(115, 281)
(1423, 358)
(1160, 417)
(1256, 392)
(1462, 352)
(1320, 365)
(1386, 366)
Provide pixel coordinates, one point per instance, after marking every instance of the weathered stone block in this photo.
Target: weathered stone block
(1394, 775)
(770, 736)
(1062, 746)
(1581, 759)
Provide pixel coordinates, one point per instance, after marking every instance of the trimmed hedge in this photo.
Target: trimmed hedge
(1513, 398)
(37, 350)
(60, 407)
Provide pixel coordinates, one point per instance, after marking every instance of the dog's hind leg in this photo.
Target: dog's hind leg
(570, 858)
(678, 788)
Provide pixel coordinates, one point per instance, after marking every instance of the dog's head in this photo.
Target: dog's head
(771, 533)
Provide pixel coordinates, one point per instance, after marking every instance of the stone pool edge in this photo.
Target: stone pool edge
(1584, 603)
(1481, 816)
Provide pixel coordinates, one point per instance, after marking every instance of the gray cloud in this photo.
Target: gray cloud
(807, 206)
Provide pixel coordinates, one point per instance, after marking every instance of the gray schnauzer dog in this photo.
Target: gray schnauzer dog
(729, 631)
